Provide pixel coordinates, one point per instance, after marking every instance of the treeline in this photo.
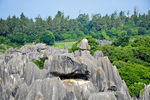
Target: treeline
(20, 30)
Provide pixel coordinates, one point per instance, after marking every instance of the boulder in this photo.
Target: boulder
(98, 54)
(83, 45)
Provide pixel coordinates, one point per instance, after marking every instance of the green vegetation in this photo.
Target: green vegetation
(134, 74)
(61, 45)
(3, 48)
(21, 30)
(40, 62)
(91, 41)
(135, 89)
(132, 61)
(48, 38)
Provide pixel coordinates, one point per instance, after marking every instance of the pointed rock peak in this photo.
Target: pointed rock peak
(98, 54)
(83, 45)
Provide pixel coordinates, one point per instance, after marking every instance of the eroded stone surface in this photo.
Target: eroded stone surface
(145, 94)
(83, 45)
(21, 79)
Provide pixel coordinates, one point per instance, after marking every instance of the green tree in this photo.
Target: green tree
(18, 38)
(47, 37)
(122, 40)
(3, 28)
(141, 31)
(135, 76)
(49, 23)
(142, 41)
(40, 25)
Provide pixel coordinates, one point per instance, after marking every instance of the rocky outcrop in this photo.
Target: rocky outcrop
(83, 45)
(66, 76)
(103, 96)
(145, 94)
(103, 42)
(98, 54)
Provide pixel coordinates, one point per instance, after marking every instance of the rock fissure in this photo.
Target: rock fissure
(74, 75)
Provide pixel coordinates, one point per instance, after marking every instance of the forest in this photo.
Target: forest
(21, 30)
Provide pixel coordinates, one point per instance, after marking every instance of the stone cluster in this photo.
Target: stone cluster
(21, 79)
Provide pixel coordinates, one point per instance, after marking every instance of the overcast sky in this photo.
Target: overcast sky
(32, 8)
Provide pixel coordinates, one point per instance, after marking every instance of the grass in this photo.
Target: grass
(61, 45)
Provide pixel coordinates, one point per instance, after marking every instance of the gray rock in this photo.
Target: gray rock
(66, 46)
(32, 73)
(103, 42)
(145, 94)
(98, 54)
(66, 76)
(22, 92)
(11, 50)
(16, 64)
(103, 96)
(65, 64)
(83, 45)
(47, 89)
(28, 48)
(81, 88)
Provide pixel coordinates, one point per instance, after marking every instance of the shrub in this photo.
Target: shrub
(134, 73)
(143, 41)
(122, 40)
(40, 62)
(48, 38)
(117, 53)
(4, 40)
(119, 64)
(3, 48)
(142, 53)
(141, 31)
(135, 89)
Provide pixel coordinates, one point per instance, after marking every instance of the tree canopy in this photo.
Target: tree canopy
(109, 27)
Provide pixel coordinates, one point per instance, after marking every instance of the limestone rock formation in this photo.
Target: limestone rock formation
(98, 54)
(66, 76)
(83, 45)
(145, 94)
(103, 42)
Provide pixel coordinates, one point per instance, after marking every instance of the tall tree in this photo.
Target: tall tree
(3, 28)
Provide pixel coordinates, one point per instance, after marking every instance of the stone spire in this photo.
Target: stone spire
(83, 45)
